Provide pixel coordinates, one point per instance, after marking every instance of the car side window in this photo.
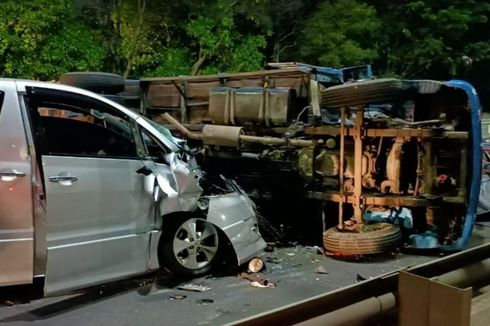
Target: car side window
(153, 147)
(81, 129)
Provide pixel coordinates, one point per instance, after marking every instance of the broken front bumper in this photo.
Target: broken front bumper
(234, 213)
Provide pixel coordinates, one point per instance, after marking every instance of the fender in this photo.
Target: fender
(234, 214)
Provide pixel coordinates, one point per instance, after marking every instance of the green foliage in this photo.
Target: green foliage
(73, 48)
(432, 39)
(410, 38)
(24, 28)
(341, 33)
(221, 47)
(38, 41)
(133, 21)
(172, 62)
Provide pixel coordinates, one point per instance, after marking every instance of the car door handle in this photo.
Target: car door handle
(63, 179)
(8, 175)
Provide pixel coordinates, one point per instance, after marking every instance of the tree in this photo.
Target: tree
(133, 22)
(172, 62)
(131, 32)
(432, 39)
(284, 20)
(341, 33)
(39, 40)
(221, 46)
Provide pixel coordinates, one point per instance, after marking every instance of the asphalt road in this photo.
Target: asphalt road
(155, 300)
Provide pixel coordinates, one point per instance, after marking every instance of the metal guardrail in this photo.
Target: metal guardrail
(365, 298)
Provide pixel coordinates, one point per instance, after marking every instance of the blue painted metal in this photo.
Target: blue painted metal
(337, 75)
(476, 163)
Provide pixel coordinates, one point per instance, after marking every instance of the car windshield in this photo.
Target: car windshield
(164, 131)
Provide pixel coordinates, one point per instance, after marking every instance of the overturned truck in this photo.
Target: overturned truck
(379, 162)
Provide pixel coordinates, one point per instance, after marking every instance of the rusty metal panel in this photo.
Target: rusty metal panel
(199, 114)
(199, 91)
(163, 96)
(249, 82)
(298, 83)
(424, 302)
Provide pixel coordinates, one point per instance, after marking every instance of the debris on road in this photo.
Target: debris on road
(255, 265)
(272, 260)
(270, 247)
(194, 287)
(177, 297)
(205, 302)
(321, 270)
(257, 280)
(360, 278)
(260, 285)
(319, 250)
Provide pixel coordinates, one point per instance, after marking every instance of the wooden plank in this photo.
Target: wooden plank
(229, 76)
(406, 132)
(358, 149)
(392, 200)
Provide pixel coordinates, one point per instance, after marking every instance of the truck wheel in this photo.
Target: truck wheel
(374, 239)
(98, 82)
(362, 92)
(189, 246)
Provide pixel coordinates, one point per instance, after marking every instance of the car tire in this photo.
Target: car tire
(374, 239)
(363, 92)
(98, 82)
(190, 246)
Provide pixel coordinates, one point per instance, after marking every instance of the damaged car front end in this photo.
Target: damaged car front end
(181, 186)
(181, 192)
(111, 192)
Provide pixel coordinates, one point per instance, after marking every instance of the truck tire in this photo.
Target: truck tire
(98, 82)
(362, 92)
(375, 239)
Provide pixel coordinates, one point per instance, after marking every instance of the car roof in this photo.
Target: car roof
(23, 84)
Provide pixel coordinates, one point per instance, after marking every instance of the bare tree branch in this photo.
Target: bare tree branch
(196, 68)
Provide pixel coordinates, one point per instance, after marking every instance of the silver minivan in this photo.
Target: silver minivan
(92, 192)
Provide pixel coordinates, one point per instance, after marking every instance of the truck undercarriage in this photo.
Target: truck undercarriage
(362, 164)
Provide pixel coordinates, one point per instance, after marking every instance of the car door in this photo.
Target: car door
(16, 205)
(99, 218)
